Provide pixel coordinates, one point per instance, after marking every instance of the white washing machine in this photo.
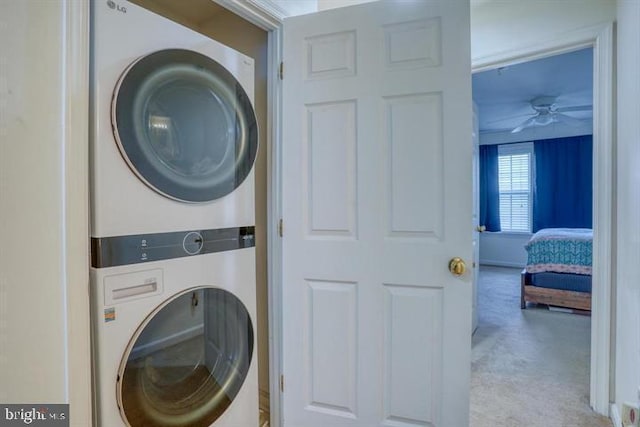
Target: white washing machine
(174, 135)
(174, 342)
(173, 143)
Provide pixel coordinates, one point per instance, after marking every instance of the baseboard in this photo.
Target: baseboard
(494, 263)
(264, 400)
(615, 415)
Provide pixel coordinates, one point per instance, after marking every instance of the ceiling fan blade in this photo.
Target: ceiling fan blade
(574, 108)
(568, 120)
(510, 118)
(527, 123)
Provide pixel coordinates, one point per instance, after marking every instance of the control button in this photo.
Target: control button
(192, 243)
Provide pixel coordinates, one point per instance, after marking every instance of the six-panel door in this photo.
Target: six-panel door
(377, 193)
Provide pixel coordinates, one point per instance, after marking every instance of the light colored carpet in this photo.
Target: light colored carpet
(529, 367)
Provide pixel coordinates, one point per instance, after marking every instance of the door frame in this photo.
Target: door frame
(73, 130)
(269, 16)
(600, 38)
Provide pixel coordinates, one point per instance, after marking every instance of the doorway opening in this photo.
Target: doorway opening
(524, 105)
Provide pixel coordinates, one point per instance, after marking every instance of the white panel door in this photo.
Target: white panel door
(377, 194)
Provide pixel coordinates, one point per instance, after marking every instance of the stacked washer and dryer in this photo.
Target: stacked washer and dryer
(173, 142)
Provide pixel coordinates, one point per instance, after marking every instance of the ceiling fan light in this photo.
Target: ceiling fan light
(543, 119)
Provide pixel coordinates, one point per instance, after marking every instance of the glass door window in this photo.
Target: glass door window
(184, 125)
(188, 362)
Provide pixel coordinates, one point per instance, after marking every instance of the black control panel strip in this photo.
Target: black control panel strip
(140, 248)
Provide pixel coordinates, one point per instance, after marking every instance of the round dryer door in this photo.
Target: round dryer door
(185, 125)
(187, 362)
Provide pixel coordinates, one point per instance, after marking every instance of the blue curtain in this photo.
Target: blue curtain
(489, 194)
(563, 192)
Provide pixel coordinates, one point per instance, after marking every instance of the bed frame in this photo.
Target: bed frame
(556, 297)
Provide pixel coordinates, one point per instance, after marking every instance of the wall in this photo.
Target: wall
(44, 311)
(502, 26)
(31, 287)
(627, 376)
(300, 7)
(286, 8)
(331, 4)
(295, 7)
(535, 133)
(503, 249)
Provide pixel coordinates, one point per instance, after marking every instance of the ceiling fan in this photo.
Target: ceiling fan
(547, 112)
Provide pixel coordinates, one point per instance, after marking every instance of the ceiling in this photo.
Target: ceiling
(503, 95)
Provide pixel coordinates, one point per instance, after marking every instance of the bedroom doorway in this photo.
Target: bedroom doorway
(506, 249)
(512, 349)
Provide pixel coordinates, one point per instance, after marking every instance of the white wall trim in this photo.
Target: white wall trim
(274, 197)
(600, 37)
(269, 7)
(567, 42)
(603, 219)
(264, 13)
(76, 208)
(625, 338)
(615, 416)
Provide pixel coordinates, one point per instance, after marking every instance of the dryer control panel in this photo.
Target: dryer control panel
(135, 249)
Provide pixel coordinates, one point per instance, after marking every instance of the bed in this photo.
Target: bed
(558, 271)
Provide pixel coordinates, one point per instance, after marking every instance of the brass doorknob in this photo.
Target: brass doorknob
(457, 267)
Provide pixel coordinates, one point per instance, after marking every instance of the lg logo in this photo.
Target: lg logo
(115, 6)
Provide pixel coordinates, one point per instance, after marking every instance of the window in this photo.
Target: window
(514, 186)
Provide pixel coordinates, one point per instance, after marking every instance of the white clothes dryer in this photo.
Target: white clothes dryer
(173, 130)
(174, 342)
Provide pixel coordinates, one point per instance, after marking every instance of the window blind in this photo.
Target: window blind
(514, 184)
